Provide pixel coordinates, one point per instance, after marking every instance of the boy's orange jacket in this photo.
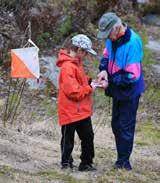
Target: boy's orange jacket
(74, 96)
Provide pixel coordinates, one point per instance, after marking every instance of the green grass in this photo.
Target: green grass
(122, 176)
(148, 54)
(5, 170)
(107, 153)
(50, 108)
(140, 142)
(152, 95)
(145, 169)
(13, 99)
(101, 101)
(144, 36)
(148, 133)
(59, 176)
(148, 57)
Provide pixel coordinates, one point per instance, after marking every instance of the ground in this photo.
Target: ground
(33, 155)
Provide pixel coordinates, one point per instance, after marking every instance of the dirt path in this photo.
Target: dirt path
(31, 156)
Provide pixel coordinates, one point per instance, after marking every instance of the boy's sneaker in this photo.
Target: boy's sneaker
(86, 167)
(67, 165)
(71, 165)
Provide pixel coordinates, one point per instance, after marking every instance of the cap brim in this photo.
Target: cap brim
(92, 52)
(103, 35)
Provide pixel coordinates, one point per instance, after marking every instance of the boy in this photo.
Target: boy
(75, 102)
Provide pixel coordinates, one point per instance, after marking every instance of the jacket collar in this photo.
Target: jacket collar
(122, 40)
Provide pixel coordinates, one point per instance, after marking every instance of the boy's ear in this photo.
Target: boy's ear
(79, 49)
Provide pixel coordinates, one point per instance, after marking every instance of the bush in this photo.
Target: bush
(43, 38)
(151, 7)
(66, 27)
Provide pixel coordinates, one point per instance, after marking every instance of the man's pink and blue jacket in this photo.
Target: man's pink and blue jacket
(122, 61)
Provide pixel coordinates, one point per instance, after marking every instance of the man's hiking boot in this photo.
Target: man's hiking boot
(86, 167)
(126, 165)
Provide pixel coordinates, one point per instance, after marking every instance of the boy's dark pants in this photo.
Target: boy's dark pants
(86, 135)
(123, 127)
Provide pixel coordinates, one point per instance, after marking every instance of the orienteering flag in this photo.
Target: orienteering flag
(25, 63)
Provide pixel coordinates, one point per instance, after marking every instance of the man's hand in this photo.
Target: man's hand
(103, 84)
(102, 76)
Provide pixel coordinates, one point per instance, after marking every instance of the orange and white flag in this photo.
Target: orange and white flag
(25, 63)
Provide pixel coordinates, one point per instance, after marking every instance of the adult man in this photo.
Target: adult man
(121, 65)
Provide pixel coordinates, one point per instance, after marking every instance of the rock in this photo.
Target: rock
(152, 19)
(142, 1)
(49, 72)
(156, 68)
(34, 12)
(36, 84)
(10, 35)
(153, 45)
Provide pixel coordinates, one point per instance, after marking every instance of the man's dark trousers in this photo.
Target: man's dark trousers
(123, 127)
(85, 132)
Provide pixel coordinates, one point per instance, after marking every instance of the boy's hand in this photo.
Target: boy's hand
(93, 85)
(101, 84)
